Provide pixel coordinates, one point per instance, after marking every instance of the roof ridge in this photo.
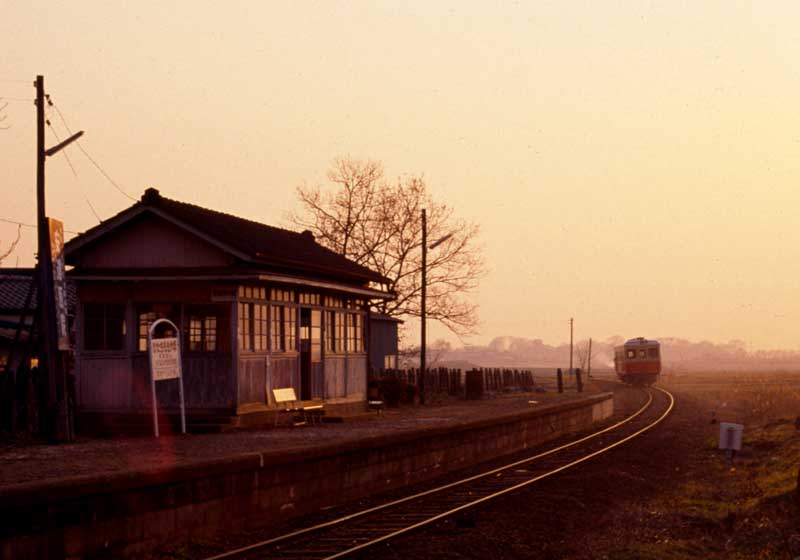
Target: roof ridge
(204, 209)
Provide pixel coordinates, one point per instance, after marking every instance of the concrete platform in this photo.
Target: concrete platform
(123, 497)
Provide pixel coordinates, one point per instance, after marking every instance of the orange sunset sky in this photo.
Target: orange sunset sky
(632, 164)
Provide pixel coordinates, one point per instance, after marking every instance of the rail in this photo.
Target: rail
(410, 513)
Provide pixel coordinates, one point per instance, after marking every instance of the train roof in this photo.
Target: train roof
(639, 341)
(636, 342)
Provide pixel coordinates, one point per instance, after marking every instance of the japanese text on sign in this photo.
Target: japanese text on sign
(165, 358)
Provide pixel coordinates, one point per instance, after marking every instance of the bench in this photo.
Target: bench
(374, 400)
(286, 399)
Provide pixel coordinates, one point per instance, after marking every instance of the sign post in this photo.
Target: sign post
(730, 438)
(165, 363)
(59, 284)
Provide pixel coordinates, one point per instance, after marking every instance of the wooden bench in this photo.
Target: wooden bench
(286, 399)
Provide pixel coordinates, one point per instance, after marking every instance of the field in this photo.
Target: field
(750, 509)
(672, 495)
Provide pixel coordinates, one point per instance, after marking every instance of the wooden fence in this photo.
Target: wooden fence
(453, 381)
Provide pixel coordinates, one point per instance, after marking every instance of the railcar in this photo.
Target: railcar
(638, 361)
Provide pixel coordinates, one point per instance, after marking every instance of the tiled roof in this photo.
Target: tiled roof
(14, 286)
(260, 243)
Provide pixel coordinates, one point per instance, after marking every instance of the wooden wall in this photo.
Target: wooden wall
(122, 383)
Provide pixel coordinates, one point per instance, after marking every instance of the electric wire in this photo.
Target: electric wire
(90, 158)
(74, 171)
(23, 224)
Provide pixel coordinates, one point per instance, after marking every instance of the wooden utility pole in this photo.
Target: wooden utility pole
(422, 343)
(57, 424)
(571, 320)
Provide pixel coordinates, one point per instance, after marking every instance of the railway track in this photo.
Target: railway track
(353, 533)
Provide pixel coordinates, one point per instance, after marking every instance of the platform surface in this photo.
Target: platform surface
(24, 464)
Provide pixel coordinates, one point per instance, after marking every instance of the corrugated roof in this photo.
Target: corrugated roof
(258, 242)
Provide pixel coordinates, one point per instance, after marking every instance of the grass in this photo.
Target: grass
(750, 510)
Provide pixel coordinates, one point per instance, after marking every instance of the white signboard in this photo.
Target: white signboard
(730, 436)
(165, 358)
(165, 363)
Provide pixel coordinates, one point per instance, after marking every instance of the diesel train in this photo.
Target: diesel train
(638, 361)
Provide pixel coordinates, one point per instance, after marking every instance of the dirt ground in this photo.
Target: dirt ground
(670, 495)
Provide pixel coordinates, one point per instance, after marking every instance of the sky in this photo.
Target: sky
(633, 165)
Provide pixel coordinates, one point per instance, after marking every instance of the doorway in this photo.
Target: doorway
(311, 382)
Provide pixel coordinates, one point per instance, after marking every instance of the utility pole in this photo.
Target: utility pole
(423, 342)
(56, 422)
(571, 320)
(589, 365)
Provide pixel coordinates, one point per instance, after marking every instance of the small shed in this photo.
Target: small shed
(258, 308)
(383, 341)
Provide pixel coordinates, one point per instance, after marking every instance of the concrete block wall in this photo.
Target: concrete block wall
(126, 515)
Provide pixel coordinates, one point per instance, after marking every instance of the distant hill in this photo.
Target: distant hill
(678, 354)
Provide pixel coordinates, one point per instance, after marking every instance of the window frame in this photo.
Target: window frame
(104, 328)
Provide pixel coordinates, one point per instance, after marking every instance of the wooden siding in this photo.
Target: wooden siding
(252, 378)
(152, 242)
(345, 376)
(382, 341)
(335, 376)
(122, 383)
(284, 372)
(356, 375)
(104, 383)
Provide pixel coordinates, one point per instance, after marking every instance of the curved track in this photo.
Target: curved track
(353, 533)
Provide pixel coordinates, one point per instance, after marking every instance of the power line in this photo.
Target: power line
(74, 172)
(97, 165)
(23, 224)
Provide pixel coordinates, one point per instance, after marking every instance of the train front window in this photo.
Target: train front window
(631, 354)
(642, 353)
(653, 353)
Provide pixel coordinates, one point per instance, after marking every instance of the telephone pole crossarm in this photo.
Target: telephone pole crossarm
(61, 145)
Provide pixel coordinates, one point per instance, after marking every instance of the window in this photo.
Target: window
(104, 326)
(355, 303)
(642, 353)
(330, 331)
(148, 313)
(355, 330)
(284, 325)
(289, 328)
(630, 354)
(653, 353)
(252, 332)
(206, 328)
(390, 362)
(252, 292)
(331, 301)
(309, 299)
(281, 295)
(334, 331)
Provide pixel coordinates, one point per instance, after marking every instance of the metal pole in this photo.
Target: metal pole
(422, 344)
(152, 379)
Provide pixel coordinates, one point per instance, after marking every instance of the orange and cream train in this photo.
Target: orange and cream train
(638, 361)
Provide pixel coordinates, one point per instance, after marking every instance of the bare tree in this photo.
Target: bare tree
(377, 223)
(582, 354)
(11, 247)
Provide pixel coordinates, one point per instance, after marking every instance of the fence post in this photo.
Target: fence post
(579, 380)
(560, 380)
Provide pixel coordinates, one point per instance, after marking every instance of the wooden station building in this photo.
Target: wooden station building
(258, 307)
